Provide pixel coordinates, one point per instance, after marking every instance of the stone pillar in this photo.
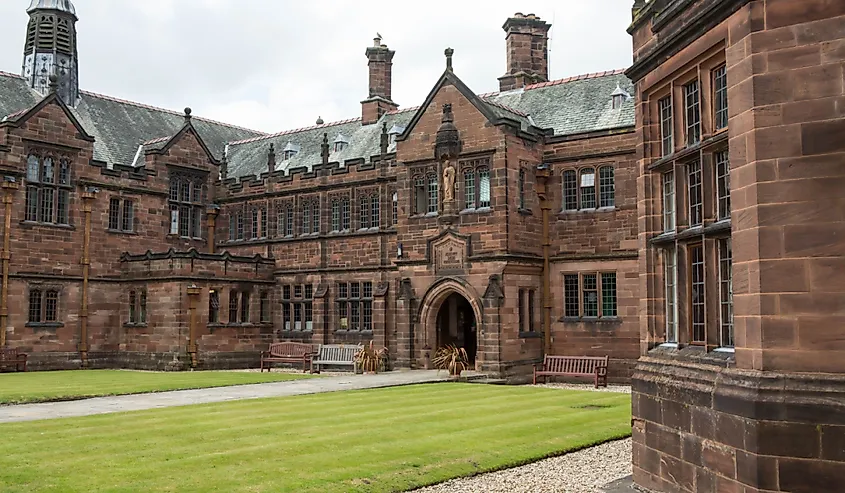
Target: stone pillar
(193, 299)
(9, 189)
(380, 315)
(405, 320)
(490, 328)
(211, 214)
(321, 318)
(88, 197)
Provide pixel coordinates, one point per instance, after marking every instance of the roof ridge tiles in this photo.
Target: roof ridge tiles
(592, 75)
(294, 131)
(165, 110)
(9, 74)
(507, 108)
(403, 110)
(156, 141)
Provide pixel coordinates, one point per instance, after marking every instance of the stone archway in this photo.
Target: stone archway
(451, 313)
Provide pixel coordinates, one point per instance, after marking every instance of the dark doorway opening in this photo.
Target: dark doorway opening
(456, 325)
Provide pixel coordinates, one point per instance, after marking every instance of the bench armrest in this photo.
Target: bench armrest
(601, 371)
(539, 367)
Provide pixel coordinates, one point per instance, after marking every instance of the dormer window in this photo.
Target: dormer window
(340, 143)
(290, 151)
(394, 132)
(619, 96)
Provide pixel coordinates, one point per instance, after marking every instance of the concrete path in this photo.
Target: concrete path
(138, 402)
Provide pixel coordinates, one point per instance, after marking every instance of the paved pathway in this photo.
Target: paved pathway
(138, 402)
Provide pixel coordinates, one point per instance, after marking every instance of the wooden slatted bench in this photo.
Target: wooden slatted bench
(288, 352)
(12, 360)
(335, 354)
(573, 366)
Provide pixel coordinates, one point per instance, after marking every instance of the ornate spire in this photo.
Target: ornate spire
(50, 49)
(449, 52)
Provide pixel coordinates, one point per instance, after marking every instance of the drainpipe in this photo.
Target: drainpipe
(88, 197)
(211, 213)
(545, 205)
(193, 297)
(10, 186)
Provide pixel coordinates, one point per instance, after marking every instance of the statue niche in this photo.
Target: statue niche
(447, 149)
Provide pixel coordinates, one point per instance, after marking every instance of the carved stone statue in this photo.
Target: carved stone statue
(448, 183)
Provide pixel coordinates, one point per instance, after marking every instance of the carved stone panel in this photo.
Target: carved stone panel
(449, 255)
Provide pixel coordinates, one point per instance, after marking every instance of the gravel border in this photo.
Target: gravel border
(585, 471)
(622, 389)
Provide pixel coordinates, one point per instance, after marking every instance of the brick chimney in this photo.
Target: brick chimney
(381, 74)
(528, 51)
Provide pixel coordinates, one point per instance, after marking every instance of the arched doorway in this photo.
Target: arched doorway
(456, 325)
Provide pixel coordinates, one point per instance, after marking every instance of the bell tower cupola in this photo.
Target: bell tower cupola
(50, 49)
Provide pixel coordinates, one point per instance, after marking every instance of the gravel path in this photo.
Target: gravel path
(585, 471)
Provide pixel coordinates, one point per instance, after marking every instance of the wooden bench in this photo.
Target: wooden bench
(288, 352)
(12, 360)
(573, 366)
(335, 354)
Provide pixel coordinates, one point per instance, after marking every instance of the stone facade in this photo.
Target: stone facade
(741, 383)
(196, 244)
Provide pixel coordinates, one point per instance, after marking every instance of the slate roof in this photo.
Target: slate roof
(118, 126)
(249, 157)
(573, 105)
(567, 106)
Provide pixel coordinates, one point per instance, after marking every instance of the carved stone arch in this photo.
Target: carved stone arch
(433, 300)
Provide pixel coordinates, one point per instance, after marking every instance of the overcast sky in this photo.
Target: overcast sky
(274, 65)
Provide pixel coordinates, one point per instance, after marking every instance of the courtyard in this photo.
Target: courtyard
(382, 439)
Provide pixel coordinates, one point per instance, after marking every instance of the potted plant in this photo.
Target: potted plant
(371, 359)
(451, 358)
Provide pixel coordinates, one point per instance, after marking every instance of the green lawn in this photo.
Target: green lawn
(375, 440)
(19, 388)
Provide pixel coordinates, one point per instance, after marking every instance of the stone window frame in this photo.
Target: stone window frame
(719, 84)
(121, 219)
(480, 171)
(214, 306)
(297, 301)
(192, 199)
(670, 270)
(600, 277)
(726, 304)
(309, 207)
(60, 186)
(394, 202)
(265, 312)
(137, 307)
(425, 187)
(692, 111)
(237, 224)
(715, 226)
(239, 305)
(285, 218)
(355, 300)
(369, 209)
(579, 172)
(665, 109)
(696, 321)
(43, 290)
(527, 309)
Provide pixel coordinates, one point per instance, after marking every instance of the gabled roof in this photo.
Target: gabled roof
(20, 117)
(495, 112)
(119, 126)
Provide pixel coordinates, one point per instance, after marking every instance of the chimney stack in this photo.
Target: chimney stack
(379, 101)
(527, 51)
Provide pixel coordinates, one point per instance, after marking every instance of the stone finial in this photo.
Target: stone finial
(54, 83)
(320, 120)
(188, 112)
(271, 158)
(324, 148)
(449, 52)
(385, 139)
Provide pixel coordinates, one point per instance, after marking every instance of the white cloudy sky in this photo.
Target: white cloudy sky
(278, 64)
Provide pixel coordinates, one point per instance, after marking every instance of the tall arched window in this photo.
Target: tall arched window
(48, 189)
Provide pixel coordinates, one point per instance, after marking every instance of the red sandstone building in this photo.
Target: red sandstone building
(741, 148)
(504, 222)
